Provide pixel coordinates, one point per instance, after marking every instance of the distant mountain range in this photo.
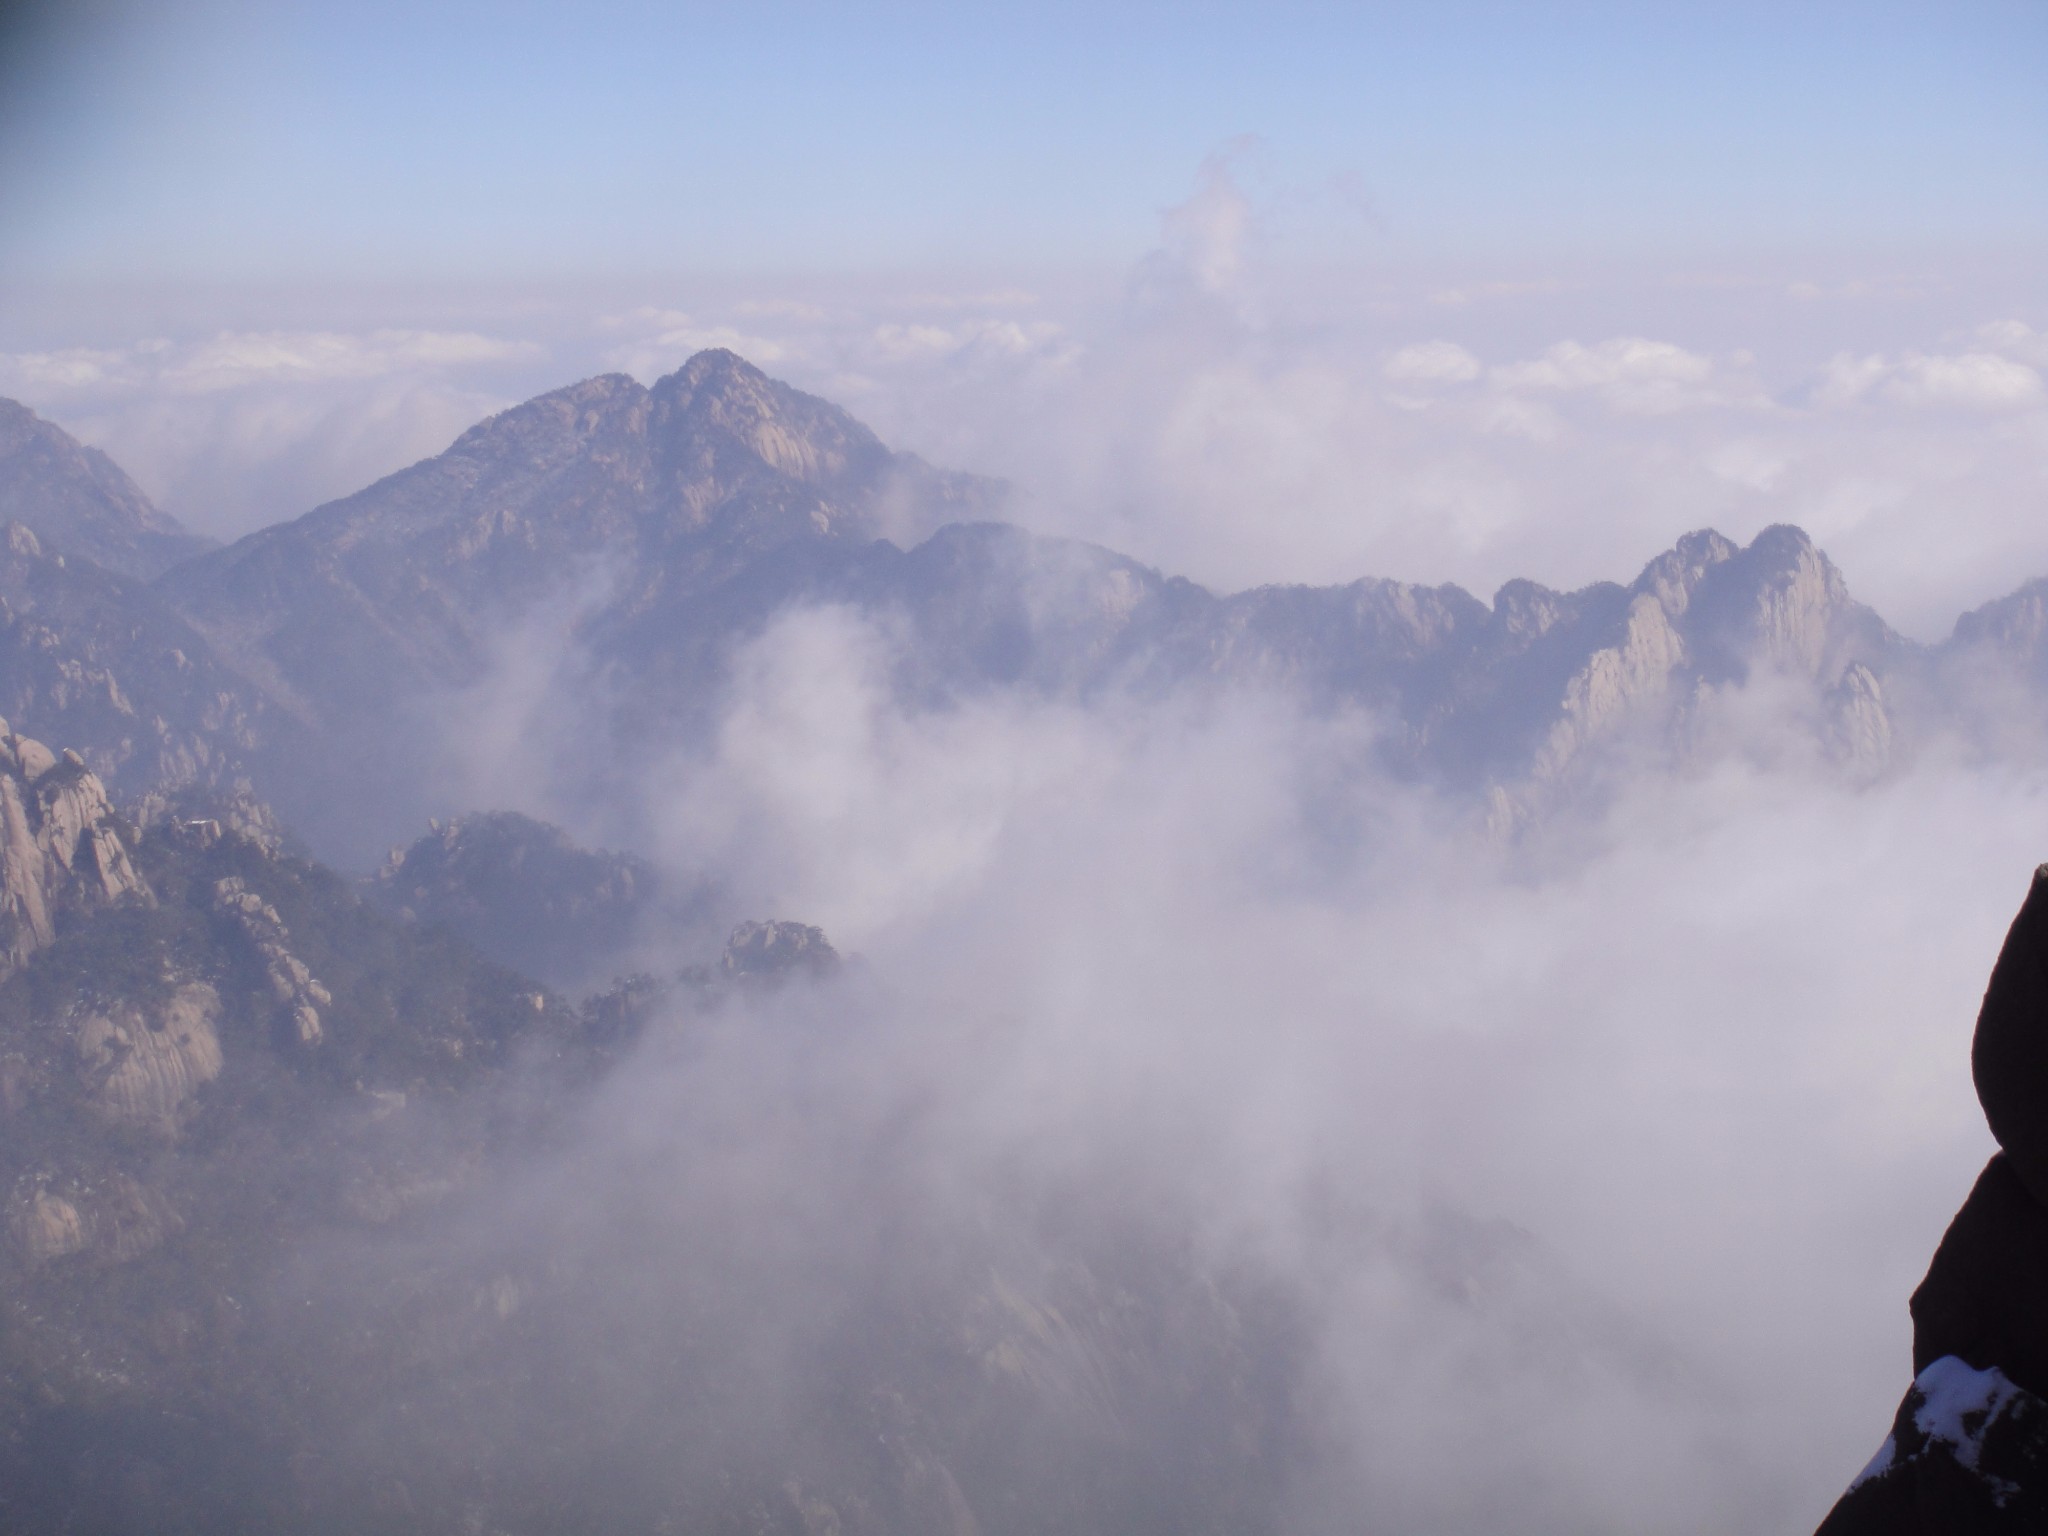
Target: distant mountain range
(294, 1234)
(635, 536)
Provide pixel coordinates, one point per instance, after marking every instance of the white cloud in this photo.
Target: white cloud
(231, 360)
(1206, 960)
(2016, 337)
(1631, 373)
(1978, 380)
(1749, 463)
(39, 375)
(1847, 377)
(234, 428)
(898, 342)
(1432, 362)
(1964, 381)
(668, 338)
(994, 298)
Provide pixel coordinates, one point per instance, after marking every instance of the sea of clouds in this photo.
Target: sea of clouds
(1701, 1048)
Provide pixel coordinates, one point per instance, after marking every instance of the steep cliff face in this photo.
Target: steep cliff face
(61, 853)
(80, 502)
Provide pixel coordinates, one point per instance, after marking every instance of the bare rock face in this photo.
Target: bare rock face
(1616, 680)
(61, 853)
(1857, 725)
(46, 1226)
(96, 660)
(296, 994)
(142, 1064)
(110, 1221)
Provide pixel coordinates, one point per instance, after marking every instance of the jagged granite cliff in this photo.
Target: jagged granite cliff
(208, 1049)
(61, 855)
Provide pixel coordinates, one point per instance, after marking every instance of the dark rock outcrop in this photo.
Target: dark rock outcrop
(2009, 1058)
(522, 893)
(1965, 1458)
(776, 951)
(1985, 1298)
(1969, 1449)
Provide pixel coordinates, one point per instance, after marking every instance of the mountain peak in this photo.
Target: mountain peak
(78, 500)
(718, 365)
(720, 413)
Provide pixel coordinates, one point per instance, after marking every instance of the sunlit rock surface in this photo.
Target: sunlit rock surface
(143, 1065)
(61, 853)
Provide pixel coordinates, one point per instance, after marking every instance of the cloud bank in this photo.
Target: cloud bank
(1593, 1172)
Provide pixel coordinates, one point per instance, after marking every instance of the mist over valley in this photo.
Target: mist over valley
(1260, 1056)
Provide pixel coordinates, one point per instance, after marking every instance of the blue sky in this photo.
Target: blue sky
(292, 141)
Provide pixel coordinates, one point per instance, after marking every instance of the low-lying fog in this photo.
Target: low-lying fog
(1595, 1170)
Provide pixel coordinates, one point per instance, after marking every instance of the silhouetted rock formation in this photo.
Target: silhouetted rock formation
(1968, 1451)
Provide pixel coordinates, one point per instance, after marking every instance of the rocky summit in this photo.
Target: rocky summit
(1968, 1451)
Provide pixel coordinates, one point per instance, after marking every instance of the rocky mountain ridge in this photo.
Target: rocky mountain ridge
(80, 501)
(614, 545)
